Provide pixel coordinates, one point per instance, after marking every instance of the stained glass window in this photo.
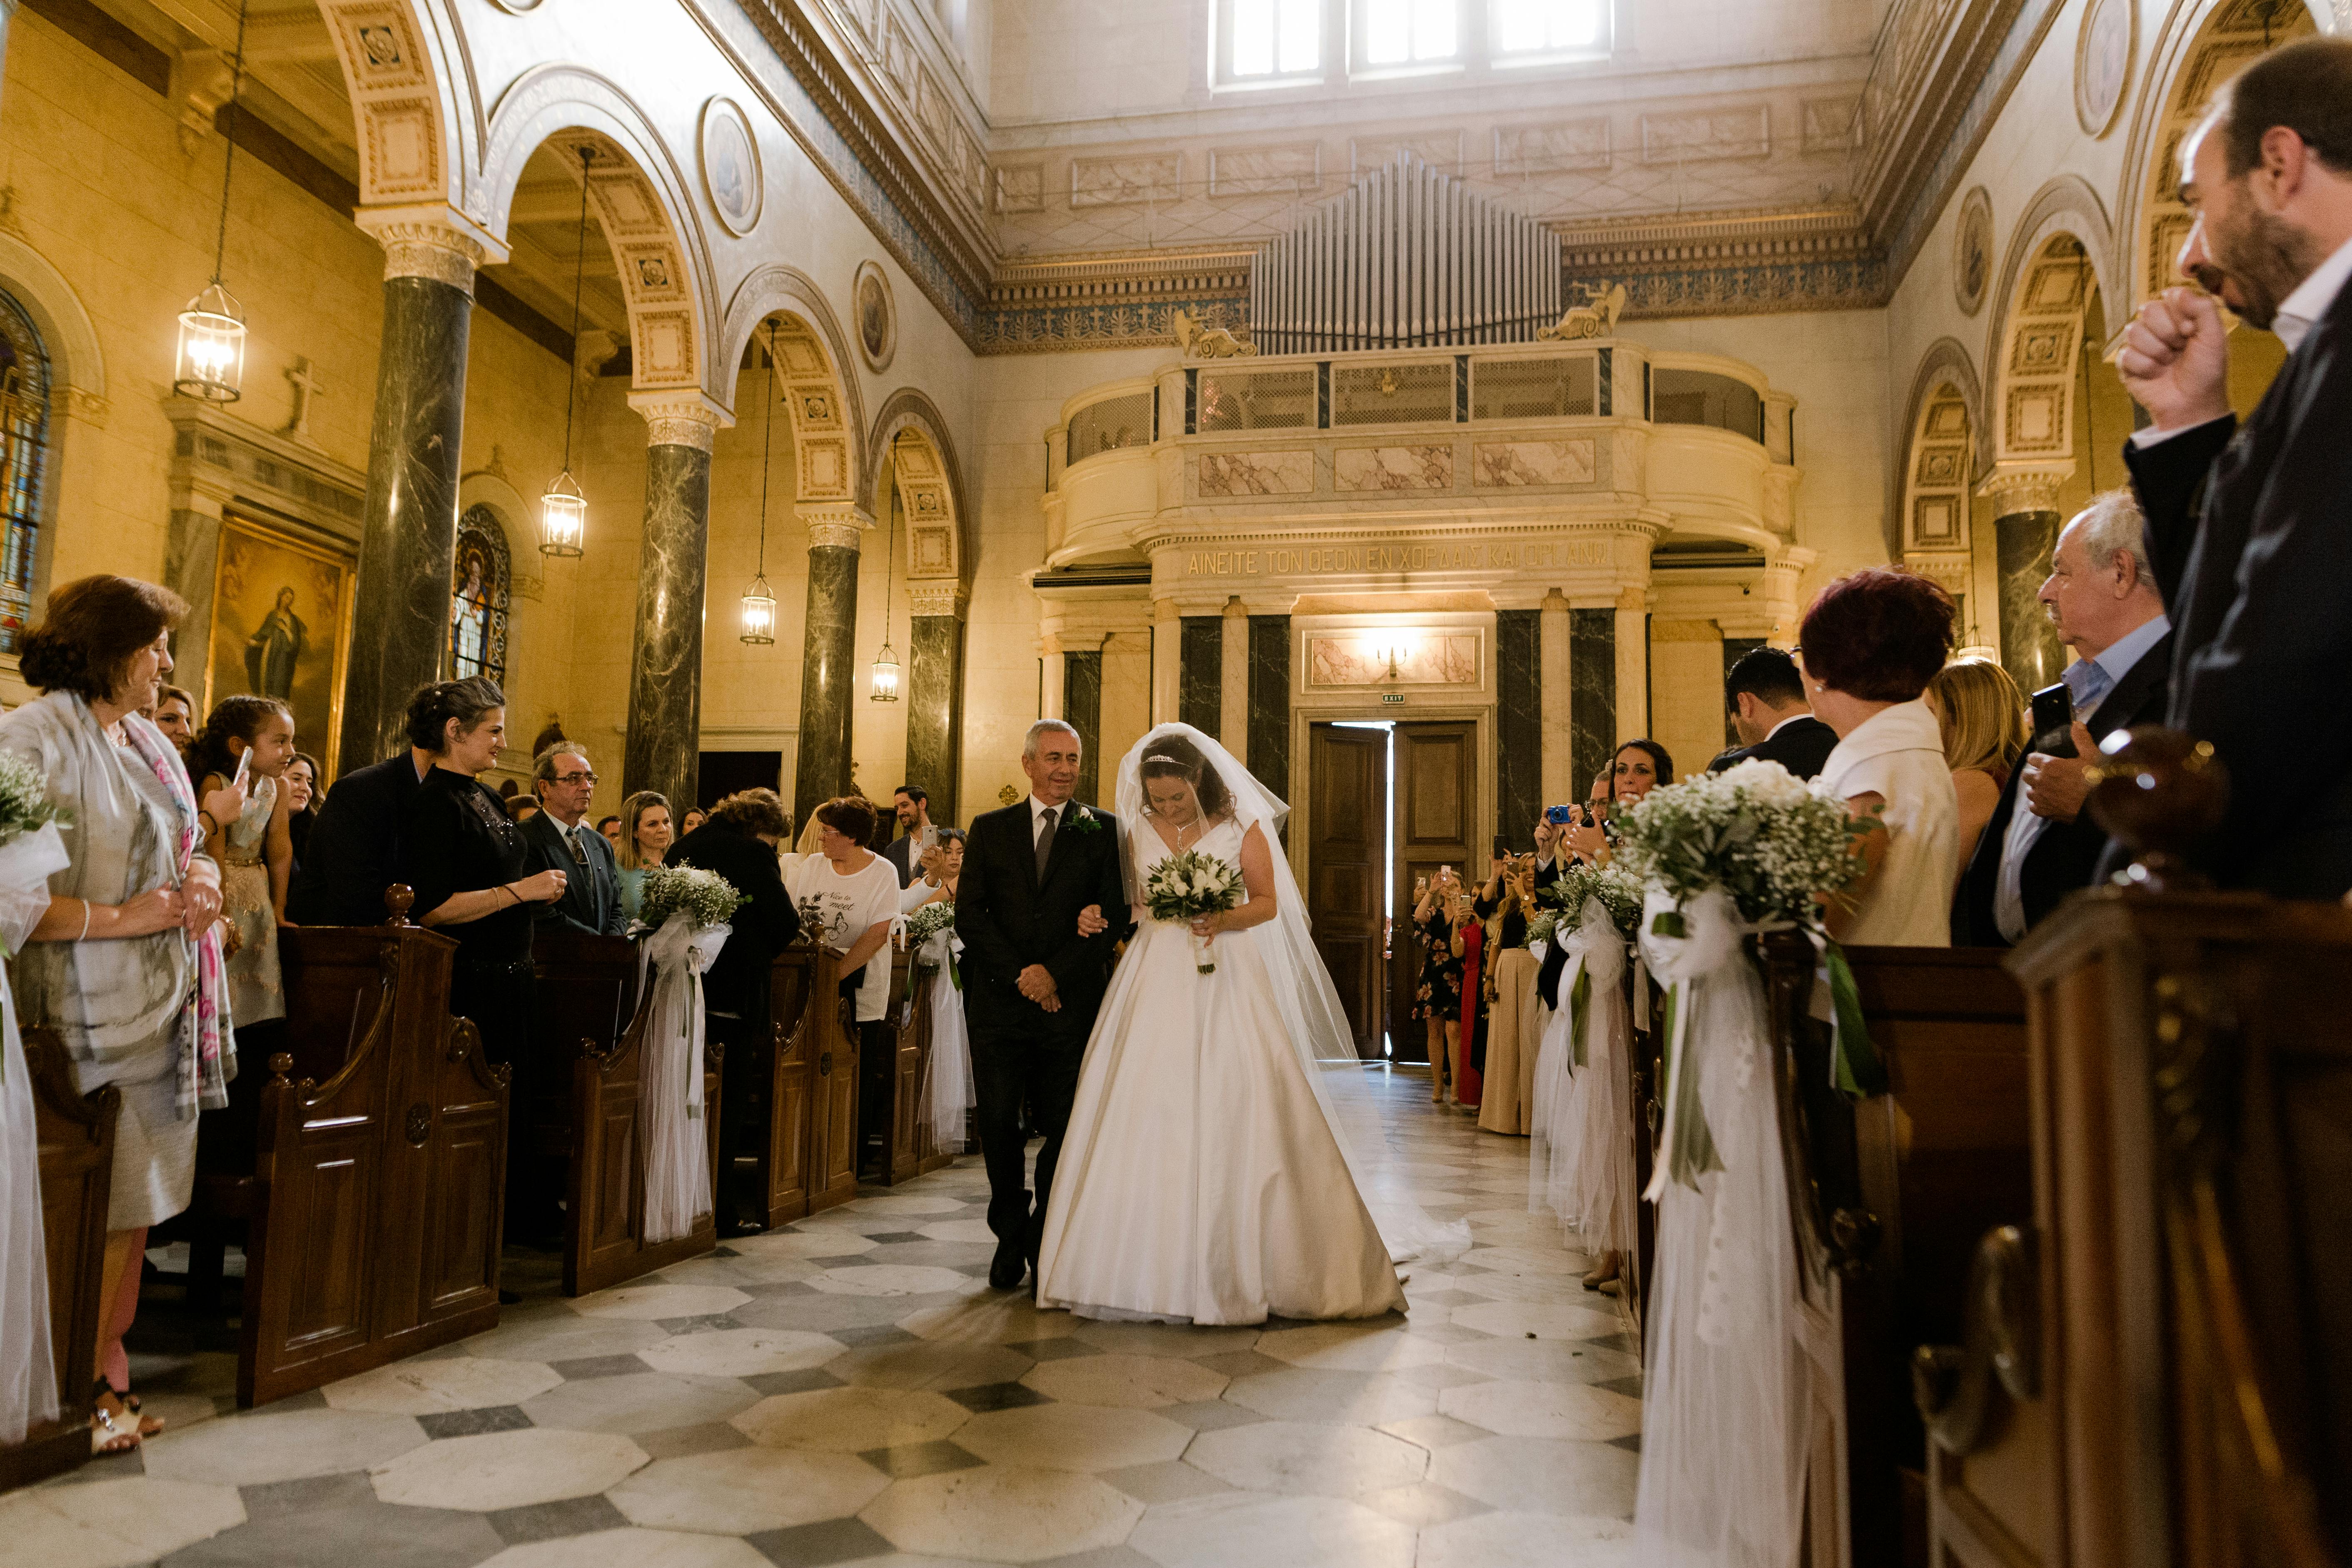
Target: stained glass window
(479, 593)
(24, 444)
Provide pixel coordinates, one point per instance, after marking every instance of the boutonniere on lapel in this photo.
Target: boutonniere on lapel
(1085, 821)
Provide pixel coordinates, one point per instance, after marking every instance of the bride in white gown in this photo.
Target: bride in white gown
(1204, 1177)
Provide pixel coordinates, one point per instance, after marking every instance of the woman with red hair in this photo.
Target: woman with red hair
(1872, 642)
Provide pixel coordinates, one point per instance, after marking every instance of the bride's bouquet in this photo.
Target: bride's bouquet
(706, 898)
(1186, 886)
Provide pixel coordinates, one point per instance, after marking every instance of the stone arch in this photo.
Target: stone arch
(642, 203)
(827, 413)
(910, 435)
(418, 145)
(2063, 245)
(1943, 424)
(2202, 44)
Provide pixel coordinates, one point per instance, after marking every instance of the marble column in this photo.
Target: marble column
(1167, 661)
(935, 694)
(1592, 695)
(1270, 703)
(829, 682)
(1082, 709)
(1201, 678)
(1633, 664)
(1232, 681)
(665, 735)
(2025, 531)
(408, 538)
(1556, 681)
(1518, 725)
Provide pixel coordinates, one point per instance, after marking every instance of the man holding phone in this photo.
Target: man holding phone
(2102, 601)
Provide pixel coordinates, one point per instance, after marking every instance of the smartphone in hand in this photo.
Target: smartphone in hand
(2054, 722)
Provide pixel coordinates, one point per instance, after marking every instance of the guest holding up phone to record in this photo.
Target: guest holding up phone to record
(1437, 1000)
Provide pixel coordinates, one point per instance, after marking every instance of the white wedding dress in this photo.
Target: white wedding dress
(1204, 1178)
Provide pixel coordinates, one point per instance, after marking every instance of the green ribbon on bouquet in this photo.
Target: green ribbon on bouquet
(1579, 1009)
(1854, 1065)
(1688, 1150)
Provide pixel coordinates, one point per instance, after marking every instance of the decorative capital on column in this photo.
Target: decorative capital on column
(1632, 599)
(944, 597)
(680, 418)
(2013, 489)
(1554, 601)
(433, 241)
(1947, 569)
(836, 525)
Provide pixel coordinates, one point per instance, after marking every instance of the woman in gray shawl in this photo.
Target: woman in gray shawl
(125, 962)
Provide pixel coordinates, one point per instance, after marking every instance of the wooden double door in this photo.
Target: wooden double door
(1413, 787)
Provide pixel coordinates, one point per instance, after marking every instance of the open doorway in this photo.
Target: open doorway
(1392, 802)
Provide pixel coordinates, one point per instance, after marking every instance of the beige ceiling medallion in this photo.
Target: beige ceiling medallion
(2103, 62)
(730, 166)
(875, 315)
(1972, 251)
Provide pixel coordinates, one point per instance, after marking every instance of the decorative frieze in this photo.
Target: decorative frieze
(1741, 133)
(1296, 169)
(1130, 180)
(1560, 145)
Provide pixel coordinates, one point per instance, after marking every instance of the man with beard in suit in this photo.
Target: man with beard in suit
(2041, 845)
(1765, 698)
(1032, 985)
(2249, 529)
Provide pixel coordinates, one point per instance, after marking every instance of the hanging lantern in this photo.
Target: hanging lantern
(563, 510)
(562, 517)
(886, 675)
(758, 612)
(211, 363)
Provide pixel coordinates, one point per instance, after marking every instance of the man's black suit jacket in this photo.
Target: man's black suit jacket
(1010, 918)
(1801, 746)
(2066, 855)
(738, 980)
(903, 858)
(591, 893)
(354, 852)
(2249, 531)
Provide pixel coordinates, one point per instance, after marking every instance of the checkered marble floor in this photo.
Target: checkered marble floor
(850, 1391)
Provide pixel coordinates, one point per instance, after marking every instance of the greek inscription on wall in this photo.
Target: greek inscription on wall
(1378, 560)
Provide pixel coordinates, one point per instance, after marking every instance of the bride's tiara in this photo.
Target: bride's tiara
(1171, 761)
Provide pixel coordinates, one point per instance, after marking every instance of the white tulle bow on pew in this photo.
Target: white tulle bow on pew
(669, 1076)
(1726, 1398)
(28, 1379)
(1582, 1116)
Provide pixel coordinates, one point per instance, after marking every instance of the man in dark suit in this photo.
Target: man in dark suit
(905, 853)
(354, 851)
(2249, 529)
(1765, 697)
(557, 837)
(737, 840)
(1031, 982)
(2041, 845)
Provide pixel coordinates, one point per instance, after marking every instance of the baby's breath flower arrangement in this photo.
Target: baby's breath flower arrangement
(1755, 830)
(1616, 889)
(1182, 887)
(929, 922)
(25, 804)
(706, 898)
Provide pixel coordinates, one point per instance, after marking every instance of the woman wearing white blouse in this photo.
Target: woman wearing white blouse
(849, 896)
(1871, 643)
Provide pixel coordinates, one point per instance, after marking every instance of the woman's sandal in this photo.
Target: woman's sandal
(148, 1425)
(107, 1435)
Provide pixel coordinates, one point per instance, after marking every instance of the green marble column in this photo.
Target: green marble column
(2025, 531)
(1201, 661)
(830, 681)
(408, 539)
(1592, 694)
(1270, 703)
(935, 697)
(665, 735)
(1518, 725)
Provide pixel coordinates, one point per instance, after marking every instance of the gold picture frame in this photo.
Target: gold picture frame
(282, 625)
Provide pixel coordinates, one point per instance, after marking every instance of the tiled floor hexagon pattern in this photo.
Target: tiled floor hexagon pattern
(848, 1391)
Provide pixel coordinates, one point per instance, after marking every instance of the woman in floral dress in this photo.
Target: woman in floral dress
(1437, 1000)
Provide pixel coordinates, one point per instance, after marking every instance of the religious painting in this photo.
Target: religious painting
(1392, 658)
(730, 166)
(1972, 251)
(480, 595)
(877, 317)
(282, 628)
(2103, 61)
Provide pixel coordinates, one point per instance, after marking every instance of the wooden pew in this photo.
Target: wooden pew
(374, 1203)
(603, 1232)
(1889, 1197)
(585, 993)
(808, 1157)
(913, 1152)
(77, 1157)
(2152, 1366)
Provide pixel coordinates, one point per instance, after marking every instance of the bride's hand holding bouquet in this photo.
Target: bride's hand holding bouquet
(1192, 888)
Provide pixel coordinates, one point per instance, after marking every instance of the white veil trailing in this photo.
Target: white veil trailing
(1312, 1020)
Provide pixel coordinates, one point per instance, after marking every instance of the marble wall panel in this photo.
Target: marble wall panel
(1270, 703)
(1235, 474)
(1509, 464)
(935, 710)
(1082, 676)
(2029, 649)
(665, 726)
(828, 679)
(1518, 725)
(1417, 468)
(1201, 672)
(1592, 697)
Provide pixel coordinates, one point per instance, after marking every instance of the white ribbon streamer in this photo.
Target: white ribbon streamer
(678, 1166)
(28, 1379)
(953, 1090)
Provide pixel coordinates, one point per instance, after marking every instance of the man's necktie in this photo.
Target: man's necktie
(1045, 841)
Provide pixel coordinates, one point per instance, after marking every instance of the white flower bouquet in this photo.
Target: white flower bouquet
(706, 898)
(25, 804)
(1615, 889)
(1755, 832)
(1186, 886)
(929, 922)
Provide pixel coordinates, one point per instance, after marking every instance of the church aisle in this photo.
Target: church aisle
(849, 1390)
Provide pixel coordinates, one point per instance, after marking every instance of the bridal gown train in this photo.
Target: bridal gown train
(1199, 1181)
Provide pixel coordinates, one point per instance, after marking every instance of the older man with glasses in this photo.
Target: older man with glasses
(558, 838)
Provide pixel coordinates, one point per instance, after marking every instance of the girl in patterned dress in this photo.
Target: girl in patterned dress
(256, 850)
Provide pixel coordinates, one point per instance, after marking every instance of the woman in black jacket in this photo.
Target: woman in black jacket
(739, 841)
